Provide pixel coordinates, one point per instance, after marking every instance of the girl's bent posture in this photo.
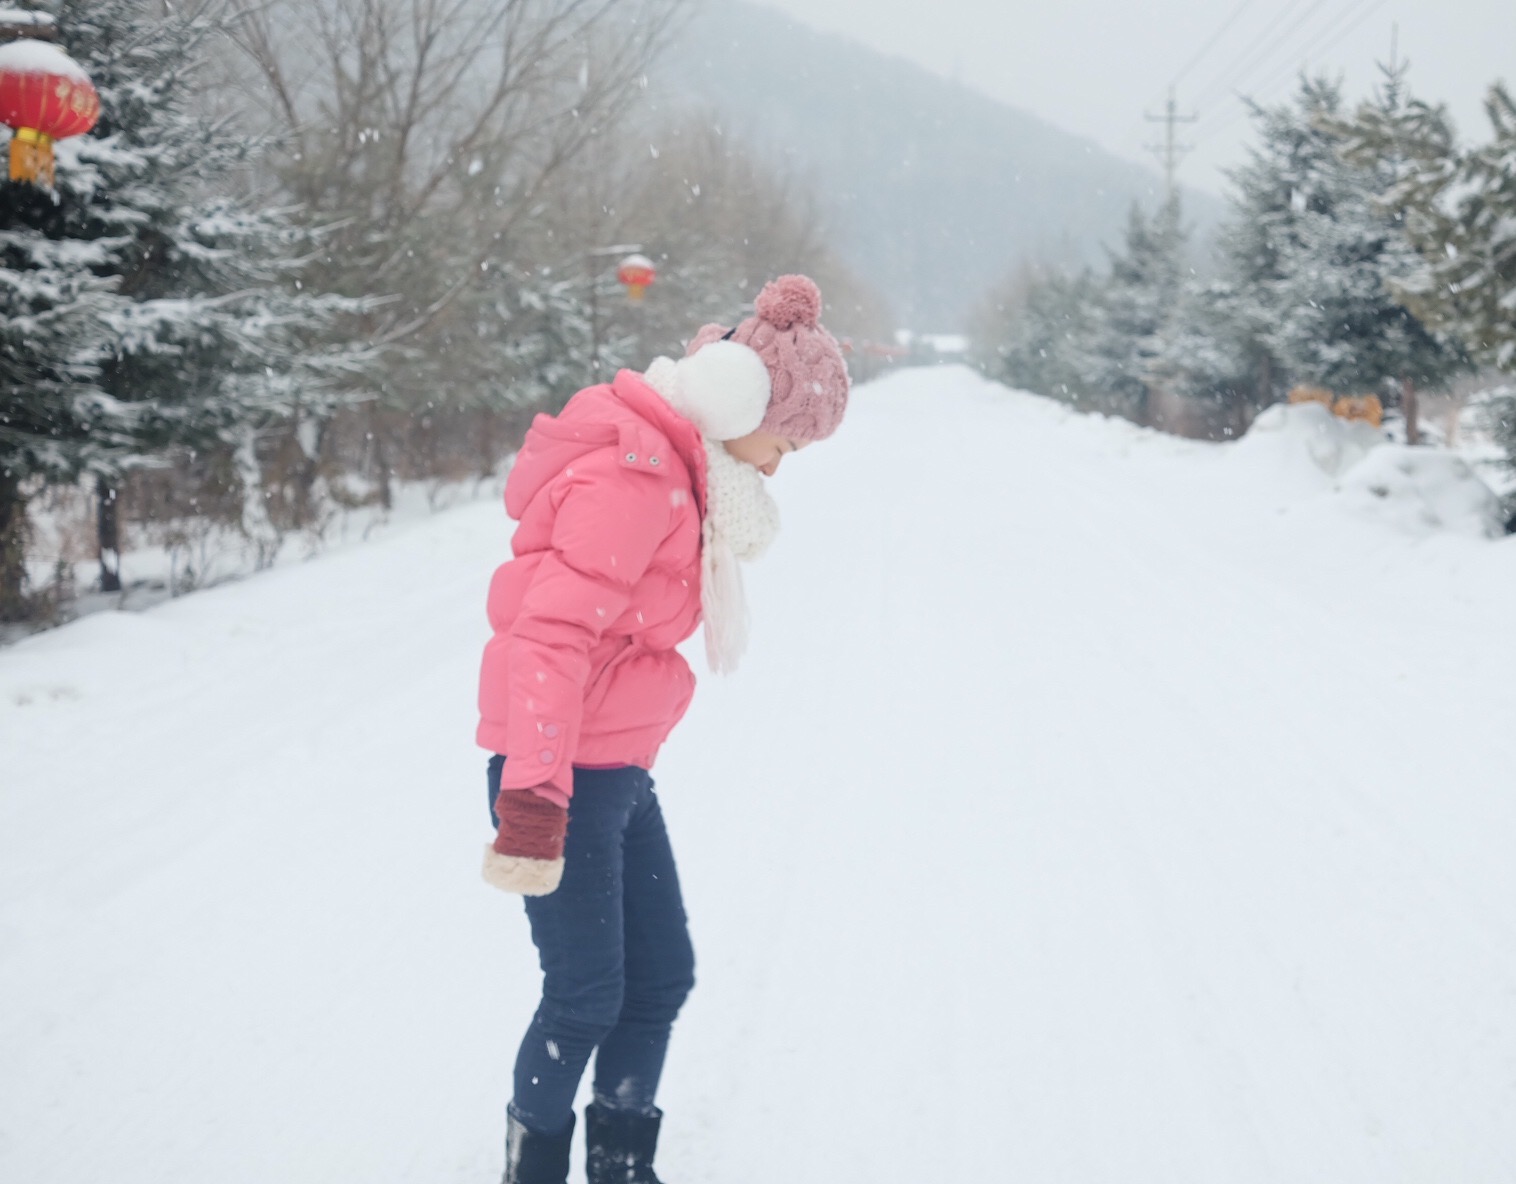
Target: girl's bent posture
(635, 506)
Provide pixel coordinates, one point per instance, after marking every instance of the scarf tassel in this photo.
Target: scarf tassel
(723, 604)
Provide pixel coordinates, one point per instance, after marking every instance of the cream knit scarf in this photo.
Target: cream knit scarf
(741, 520)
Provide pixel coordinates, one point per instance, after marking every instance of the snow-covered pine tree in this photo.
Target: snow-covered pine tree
(1257, 246)
(1137, 302)
(1211, 354)
(1478, 276)
(206, 330)
(55, 422)
(1250, 247)
(1459, 210)
(1031, 334)
(1341, 314)
(1311, 257)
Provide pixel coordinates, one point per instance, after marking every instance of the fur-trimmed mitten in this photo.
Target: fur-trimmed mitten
(527, 854)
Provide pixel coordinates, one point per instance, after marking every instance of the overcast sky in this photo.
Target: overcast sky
(1094, 67)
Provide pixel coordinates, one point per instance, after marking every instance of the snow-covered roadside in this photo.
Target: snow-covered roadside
(170, 559)
(1094, 806)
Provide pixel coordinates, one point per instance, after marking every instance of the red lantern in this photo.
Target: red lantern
(44, 95)
(637, 273)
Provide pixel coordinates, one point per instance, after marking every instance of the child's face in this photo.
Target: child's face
(763, 450)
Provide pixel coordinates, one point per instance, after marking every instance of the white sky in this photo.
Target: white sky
(1093, 67)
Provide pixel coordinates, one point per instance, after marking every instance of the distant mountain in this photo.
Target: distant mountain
(931, 191)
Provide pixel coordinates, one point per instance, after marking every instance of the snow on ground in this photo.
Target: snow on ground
(169, 558)
(1094, 806)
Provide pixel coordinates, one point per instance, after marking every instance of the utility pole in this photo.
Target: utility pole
(1169, 152)
(1410, 401)
(593, 258)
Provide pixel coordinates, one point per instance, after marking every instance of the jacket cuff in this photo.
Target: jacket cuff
(540, 752)
(551, 792)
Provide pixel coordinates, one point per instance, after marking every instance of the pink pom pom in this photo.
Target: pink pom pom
(789, 301)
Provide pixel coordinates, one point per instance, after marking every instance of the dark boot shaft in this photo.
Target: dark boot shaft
(531, 1158)
(620, 1145)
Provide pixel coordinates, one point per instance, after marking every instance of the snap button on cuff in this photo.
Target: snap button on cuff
(546, 756)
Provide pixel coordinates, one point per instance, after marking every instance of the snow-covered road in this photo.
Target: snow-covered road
(1093, 807)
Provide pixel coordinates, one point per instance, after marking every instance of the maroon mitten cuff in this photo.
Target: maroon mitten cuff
(527, 854)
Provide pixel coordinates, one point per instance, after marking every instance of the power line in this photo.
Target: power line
(1314, 45)
(1211, 43)
(1318, 50)
(1224, 78)
(1378, 4)
(1273, 46)
(1262, 90)
(1331, 27)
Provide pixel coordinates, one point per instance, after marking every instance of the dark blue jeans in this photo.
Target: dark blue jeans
(615, 951)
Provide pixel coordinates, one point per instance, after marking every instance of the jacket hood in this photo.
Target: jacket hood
(625, 413)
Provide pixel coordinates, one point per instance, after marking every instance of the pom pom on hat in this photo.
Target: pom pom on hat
(789, 301)
(808, 376)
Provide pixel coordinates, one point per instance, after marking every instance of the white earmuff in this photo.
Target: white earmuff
(723, 389)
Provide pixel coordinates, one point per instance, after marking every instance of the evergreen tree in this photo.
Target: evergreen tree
(1255, 254)
(1031, 335)
(1121, 355)
(1459, 209)
(206, 332)
(1355, 330)
(1211, 351)
(55, 421)
(1310, 260)
(1094, 341)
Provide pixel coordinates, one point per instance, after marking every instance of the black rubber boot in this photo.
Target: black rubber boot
(535, 1159)
(620, 1145)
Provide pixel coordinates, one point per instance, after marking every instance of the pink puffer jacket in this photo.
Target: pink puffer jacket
(604, 584)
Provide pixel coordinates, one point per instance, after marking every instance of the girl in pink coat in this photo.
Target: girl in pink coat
(635, 506)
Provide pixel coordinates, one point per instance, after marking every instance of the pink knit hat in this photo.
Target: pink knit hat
(808, 379)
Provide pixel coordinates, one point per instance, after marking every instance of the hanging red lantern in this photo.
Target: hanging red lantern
(44, 96)
(637, 273)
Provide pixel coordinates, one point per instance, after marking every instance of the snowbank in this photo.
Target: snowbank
(1308, 442)
(1418, 490)
(169, 558)
(1421, 490)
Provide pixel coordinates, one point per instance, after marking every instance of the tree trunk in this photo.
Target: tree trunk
(256, 524)
(383, 473)
(108, 531)
(310, 488)
(484, 435)
(1410, 408)
(14, 603)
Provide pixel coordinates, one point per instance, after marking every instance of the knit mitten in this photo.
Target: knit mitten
(527, 854)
